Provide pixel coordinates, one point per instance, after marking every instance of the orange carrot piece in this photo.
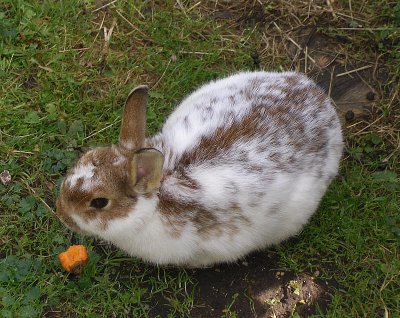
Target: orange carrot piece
(74, 259)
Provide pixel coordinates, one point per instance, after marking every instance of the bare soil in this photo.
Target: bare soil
(258, 288)
(253, 287)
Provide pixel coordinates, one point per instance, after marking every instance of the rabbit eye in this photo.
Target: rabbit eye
(99, 203)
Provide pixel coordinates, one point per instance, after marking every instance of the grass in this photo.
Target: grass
(60, 92)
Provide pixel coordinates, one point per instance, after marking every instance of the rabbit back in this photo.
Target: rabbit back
(247, 160)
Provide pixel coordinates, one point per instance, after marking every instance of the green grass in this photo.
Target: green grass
(55, 98)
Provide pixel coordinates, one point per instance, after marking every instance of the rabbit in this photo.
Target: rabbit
(242, 163)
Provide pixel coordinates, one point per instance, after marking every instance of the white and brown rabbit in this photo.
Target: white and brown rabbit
(241, 163)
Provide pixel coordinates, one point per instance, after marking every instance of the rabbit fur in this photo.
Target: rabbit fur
(240, 164)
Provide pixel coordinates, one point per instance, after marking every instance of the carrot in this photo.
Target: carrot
(74, 259)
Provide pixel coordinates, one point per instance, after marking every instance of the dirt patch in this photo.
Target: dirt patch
(256, 287)
(353, 86)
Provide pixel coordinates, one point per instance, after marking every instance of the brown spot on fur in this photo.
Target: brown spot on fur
(205, 221)
(276, 156)
(223, 138)
(238, 222)
(186, 181)
(291, 80)
(318, 141)
(176, 214)
(256, 168)
(235, 207)
(169, 206)
(174, 225)
(268, 119)
(252, 89)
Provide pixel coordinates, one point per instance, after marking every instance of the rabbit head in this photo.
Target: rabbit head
(106, 182)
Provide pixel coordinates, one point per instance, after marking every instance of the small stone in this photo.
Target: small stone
(5, 177)
(349, 115)
(279, 275)
(371, 96)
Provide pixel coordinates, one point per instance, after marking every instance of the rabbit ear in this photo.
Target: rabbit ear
(146, 170)
(133, 125)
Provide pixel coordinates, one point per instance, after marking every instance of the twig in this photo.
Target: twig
(104, 6)
(98, 32)
(131, 24)
(392, 154)
(305, 60)
(194, 6)
(331, 81)
(348, 16)
(162, 75)
(9, 63)
(140, 13)
(48, 69)
(309, 9)
(107, 38)
(331, 61)
(76, 50)
(351, 9)
(376, 67)
(182, 8)
(335, 13)
(293, 41)
(369, 125)
(198, 53)
(108, 33)
(353, 71)
(102, 129)
(23, 152)
(362, 29)
(329, 3)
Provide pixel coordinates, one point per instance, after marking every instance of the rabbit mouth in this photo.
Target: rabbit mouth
(71, 224)
(67, 219)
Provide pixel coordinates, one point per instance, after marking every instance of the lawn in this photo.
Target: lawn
(65, 70)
